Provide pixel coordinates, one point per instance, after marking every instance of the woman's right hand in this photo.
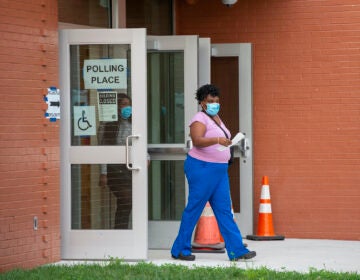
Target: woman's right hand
(224, 141)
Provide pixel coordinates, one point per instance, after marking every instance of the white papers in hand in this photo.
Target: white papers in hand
(234, 141)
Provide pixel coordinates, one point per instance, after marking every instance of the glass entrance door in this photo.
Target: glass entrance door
(172, 82)
(170, 105)
(103, 144)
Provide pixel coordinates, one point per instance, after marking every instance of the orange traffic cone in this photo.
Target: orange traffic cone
(207, 237)
(265, 229)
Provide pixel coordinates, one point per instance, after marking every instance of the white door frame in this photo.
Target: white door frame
(243, 51)
(204, 62)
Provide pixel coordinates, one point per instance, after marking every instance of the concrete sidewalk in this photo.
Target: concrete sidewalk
(299, 255)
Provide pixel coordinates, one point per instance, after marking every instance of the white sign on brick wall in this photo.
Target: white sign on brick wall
(53, 101)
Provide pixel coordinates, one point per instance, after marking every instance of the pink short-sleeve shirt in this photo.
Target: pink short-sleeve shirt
(210, 153)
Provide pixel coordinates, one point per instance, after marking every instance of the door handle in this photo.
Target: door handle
(244, 147)
(127, 152)
(189, 144)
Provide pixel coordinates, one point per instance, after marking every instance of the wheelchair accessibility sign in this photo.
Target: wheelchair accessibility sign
(84, 121)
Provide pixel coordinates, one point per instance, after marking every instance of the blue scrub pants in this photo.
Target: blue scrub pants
(208, 182)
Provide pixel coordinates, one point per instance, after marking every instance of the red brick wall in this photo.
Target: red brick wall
(29, 143)
(306, 102)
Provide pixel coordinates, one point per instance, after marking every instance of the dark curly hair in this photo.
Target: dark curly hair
(206, 90)
(121, 96)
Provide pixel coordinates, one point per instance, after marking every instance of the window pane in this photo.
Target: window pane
(155, 16)
(85, 12)
(165, 97)
(100, 87)
(101, 207)
(166, 190)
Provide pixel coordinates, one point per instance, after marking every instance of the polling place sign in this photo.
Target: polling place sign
(105, 73)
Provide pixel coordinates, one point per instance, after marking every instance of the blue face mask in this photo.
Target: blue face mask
(212, 108)
(126, 112)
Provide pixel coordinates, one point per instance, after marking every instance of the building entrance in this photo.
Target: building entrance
(128, 96)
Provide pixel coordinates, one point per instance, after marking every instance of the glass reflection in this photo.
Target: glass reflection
(95, 101)
(166, 190)
(166, 126)
(101, 207)
(90, 12)
(165, 97)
